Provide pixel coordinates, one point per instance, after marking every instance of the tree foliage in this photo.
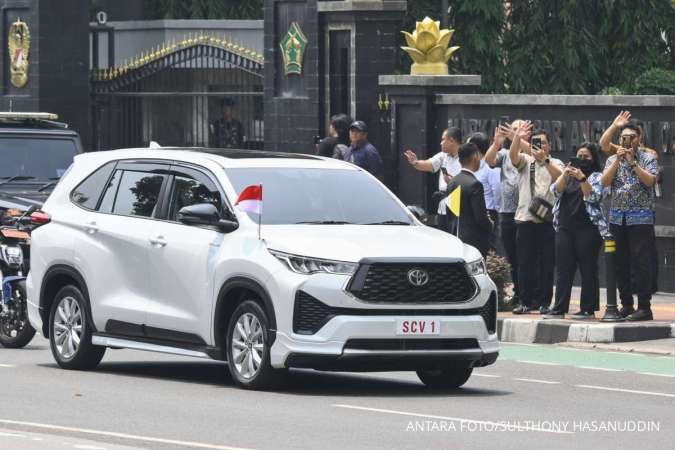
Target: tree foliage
(203, 9)
(534, 46)
(478, 27)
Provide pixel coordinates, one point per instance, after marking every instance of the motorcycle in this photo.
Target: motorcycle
(15, 329)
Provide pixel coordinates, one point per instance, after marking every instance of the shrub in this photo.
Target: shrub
(499, 270)
(655, 81)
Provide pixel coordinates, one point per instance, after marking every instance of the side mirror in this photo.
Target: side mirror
(419, 213)
(206, 214)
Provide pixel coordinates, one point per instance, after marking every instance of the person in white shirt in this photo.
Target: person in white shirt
(447, 163)
(535, 236)
(492, 186)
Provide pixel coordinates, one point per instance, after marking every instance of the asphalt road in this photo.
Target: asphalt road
(533, 397)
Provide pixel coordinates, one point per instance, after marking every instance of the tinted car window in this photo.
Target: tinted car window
(191, 189)
(43, 159)
(89, 191)
(137, 193)
(293, 195)
(110, 193)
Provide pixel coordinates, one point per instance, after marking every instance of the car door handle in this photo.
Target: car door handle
(91, 228)
(159, 241)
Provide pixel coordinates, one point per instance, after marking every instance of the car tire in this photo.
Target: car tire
(26, 333)
(70, 331)
(248, 347)
(445, 378)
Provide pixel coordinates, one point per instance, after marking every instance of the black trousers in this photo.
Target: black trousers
(634, 263)
(495, 241)
(536, 253)
(507, 233)
(577, 247)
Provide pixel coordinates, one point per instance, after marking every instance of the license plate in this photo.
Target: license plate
(418, 327)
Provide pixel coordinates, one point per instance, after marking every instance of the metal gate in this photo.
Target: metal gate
(201, 91)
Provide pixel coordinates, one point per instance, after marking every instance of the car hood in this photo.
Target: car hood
(351, 243)
(22, 199)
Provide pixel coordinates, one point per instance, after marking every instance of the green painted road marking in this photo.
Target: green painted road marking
(588, 359)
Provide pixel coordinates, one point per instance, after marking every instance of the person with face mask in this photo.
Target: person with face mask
(580, 227)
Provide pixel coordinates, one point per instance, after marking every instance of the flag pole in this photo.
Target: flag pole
(260, 216)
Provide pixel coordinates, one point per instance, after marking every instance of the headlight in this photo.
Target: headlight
(476, 268)
(307, 266)
(14, 252)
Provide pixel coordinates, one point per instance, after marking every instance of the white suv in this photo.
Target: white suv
(145, 249)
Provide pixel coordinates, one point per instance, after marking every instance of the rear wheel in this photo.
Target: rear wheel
(70, 332)
(248, 347)
(15, 330)
(445, 378)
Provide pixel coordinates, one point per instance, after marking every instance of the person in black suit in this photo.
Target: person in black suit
(475, 226)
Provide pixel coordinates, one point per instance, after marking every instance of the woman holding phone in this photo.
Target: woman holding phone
(580, 227)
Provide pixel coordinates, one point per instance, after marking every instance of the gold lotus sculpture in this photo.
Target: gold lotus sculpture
(428, 48)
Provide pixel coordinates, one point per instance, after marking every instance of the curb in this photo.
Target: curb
(538, 331)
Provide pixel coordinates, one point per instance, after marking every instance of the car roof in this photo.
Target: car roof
(25, 130)
(227, 158)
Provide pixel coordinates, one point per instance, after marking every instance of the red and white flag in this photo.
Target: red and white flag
(250, 199)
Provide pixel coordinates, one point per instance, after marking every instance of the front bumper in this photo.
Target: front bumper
(463, 342)
(328, 346)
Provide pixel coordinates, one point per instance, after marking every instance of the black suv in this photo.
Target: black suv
(35, 151)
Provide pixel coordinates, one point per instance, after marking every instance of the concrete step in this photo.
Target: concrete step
(528, 330)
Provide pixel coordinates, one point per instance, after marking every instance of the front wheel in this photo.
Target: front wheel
(70, 332)
(445, 378)
(15, 330)
(248, 347)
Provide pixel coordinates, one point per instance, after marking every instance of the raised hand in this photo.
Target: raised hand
(499, 138)
(622, 119)
(410, 156)
(523, 130)
(575, 172)
(629, 155)
(538, 154)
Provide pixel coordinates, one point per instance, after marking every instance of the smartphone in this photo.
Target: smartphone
(317, 140)
(536, 142)
(445, 171)
(575, 162)
(504, 120)
(626, 141)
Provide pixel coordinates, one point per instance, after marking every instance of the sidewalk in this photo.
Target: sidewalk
(532, 328)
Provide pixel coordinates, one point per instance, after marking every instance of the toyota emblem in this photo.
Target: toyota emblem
(418, 277)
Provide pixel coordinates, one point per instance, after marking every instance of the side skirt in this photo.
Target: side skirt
(159, 346)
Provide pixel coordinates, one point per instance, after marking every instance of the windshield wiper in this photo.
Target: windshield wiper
(50, 184)
(389, 222)
(16, 178)
(326, 222)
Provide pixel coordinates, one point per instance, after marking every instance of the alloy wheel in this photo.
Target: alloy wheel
(247, 345)
(68, 327)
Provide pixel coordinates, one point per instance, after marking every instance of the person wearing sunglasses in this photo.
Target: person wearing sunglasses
(631, 173)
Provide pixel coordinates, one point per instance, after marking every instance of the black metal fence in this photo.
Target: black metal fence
(201, 92)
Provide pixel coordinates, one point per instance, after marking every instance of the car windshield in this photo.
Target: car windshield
(320, 196)
(41, 159)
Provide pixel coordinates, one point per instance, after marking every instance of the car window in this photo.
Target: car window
(108, 200)
(87, 193)
(41, 158)
(191, 188)
(135, 194)
(296, 195)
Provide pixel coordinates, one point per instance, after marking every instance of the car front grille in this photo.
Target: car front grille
(387, 282)
(310, 314)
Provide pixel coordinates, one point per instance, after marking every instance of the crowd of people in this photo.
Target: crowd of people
(547, 217)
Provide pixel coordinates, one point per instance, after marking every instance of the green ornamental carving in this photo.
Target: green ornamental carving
(293, 47)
